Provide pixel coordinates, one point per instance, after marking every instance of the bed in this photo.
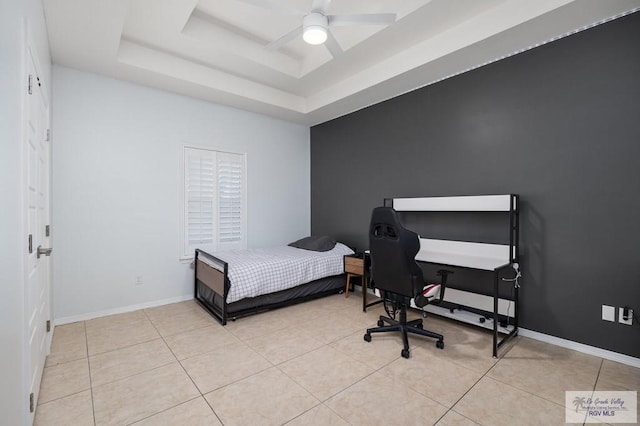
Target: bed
(235, 283)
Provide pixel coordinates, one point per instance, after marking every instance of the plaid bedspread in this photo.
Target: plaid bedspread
(262, 271)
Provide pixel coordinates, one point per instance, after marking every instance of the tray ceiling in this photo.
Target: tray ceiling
(216, 49)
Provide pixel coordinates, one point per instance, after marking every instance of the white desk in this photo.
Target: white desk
(492, 258)
(486, 257)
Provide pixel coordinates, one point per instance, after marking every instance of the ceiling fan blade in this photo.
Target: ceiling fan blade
(273, 6)
(333, 46)
(363, 19)
(278, 43)
(320, 5)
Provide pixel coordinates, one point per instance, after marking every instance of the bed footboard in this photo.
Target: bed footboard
(211, 278)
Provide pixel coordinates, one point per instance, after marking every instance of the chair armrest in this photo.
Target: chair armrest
(433, 293)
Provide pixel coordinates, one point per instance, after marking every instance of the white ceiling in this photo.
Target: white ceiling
(216, 49)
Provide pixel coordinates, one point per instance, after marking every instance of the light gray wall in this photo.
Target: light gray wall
(116, 187)
(559, 125)
(17, 19)
(11, 256)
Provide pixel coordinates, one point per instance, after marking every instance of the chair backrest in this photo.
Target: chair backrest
(393, 250)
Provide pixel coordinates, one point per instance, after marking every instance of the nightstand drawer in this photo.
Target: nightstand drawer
(353, 265)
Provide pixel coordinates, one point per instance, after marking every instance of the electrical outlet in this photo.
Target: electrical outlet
(622, 316)
(608, 313)
(138, 280)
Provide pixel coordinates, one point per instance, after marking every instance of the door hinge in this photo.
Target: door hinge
(30, 243)
(30, 86)
(31, 407)
(48, 326)
(48, 135)
(47, 230)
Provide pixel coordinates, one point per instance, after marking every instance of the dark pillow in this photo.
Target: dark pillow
(315, 243)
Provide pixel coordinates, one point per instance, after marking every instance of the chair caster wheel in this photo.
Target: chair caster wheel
(367, 337)
(380, 323)
(424, 314)
(405, 353)
(440, 344)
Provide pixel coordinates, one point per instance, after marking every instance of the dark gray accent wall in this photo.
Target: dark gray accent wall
(559, 125)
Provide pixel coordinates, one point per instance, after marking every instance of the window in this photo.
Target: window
(214, 194)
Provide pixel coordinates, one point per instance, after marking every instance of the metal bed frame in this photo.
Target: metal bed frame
(212, 284)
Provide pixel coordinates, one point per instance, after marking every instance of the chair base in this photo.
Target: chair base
(404, 327)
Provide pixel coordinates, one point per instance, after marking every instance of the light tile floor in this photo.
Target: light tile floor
(304, 365)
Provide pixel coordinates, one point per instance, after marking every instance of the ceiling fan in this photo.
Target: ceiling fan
(315, 24)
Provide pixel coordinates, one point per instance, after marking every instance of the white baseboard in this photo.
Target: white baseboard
(121, 310)
(590, 350)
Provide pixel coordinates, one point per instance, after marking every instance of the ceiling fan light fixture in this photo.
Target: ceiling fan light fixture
(315, 35)
(314, 28)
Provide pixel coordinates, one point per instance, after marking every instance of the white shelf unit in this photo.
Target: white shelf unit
(492, 258)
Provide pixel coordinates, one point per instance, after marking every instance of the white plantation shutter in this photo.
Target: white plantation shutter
(231, 200)
(200, 196)
(214, 200)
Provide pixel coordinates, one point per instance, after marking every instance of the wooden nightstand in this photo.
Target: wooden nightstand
(353, 267)
(358, 265)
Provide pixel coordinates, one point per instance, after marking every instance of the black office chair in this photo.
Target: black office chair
(396, 274)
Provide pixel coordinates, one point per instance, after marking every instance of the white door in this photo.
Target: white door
(37, 303)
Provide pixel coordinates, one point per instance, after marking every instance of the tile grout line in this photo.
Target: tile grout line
(272, 365)
(341, 390)
(463, 395)
(474, 385)
(241, 340)
(121, 325)
(595, 385)
(93, 405)
(320, 402)
(133, 374)
(379, 369)
(185, 372)
(279, 366)
(253, 350)
(58, 365)
(122, 348)
(598, 375)
(90, 389)
(160, 337)
(162, 411)
(518, 388)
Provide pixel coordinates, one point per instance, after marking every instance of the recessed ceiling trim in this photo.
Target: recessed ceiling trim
(470, 58)
(166, 45)
(502, 17)
(508, 15)
(202, 28)
(139, 56)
